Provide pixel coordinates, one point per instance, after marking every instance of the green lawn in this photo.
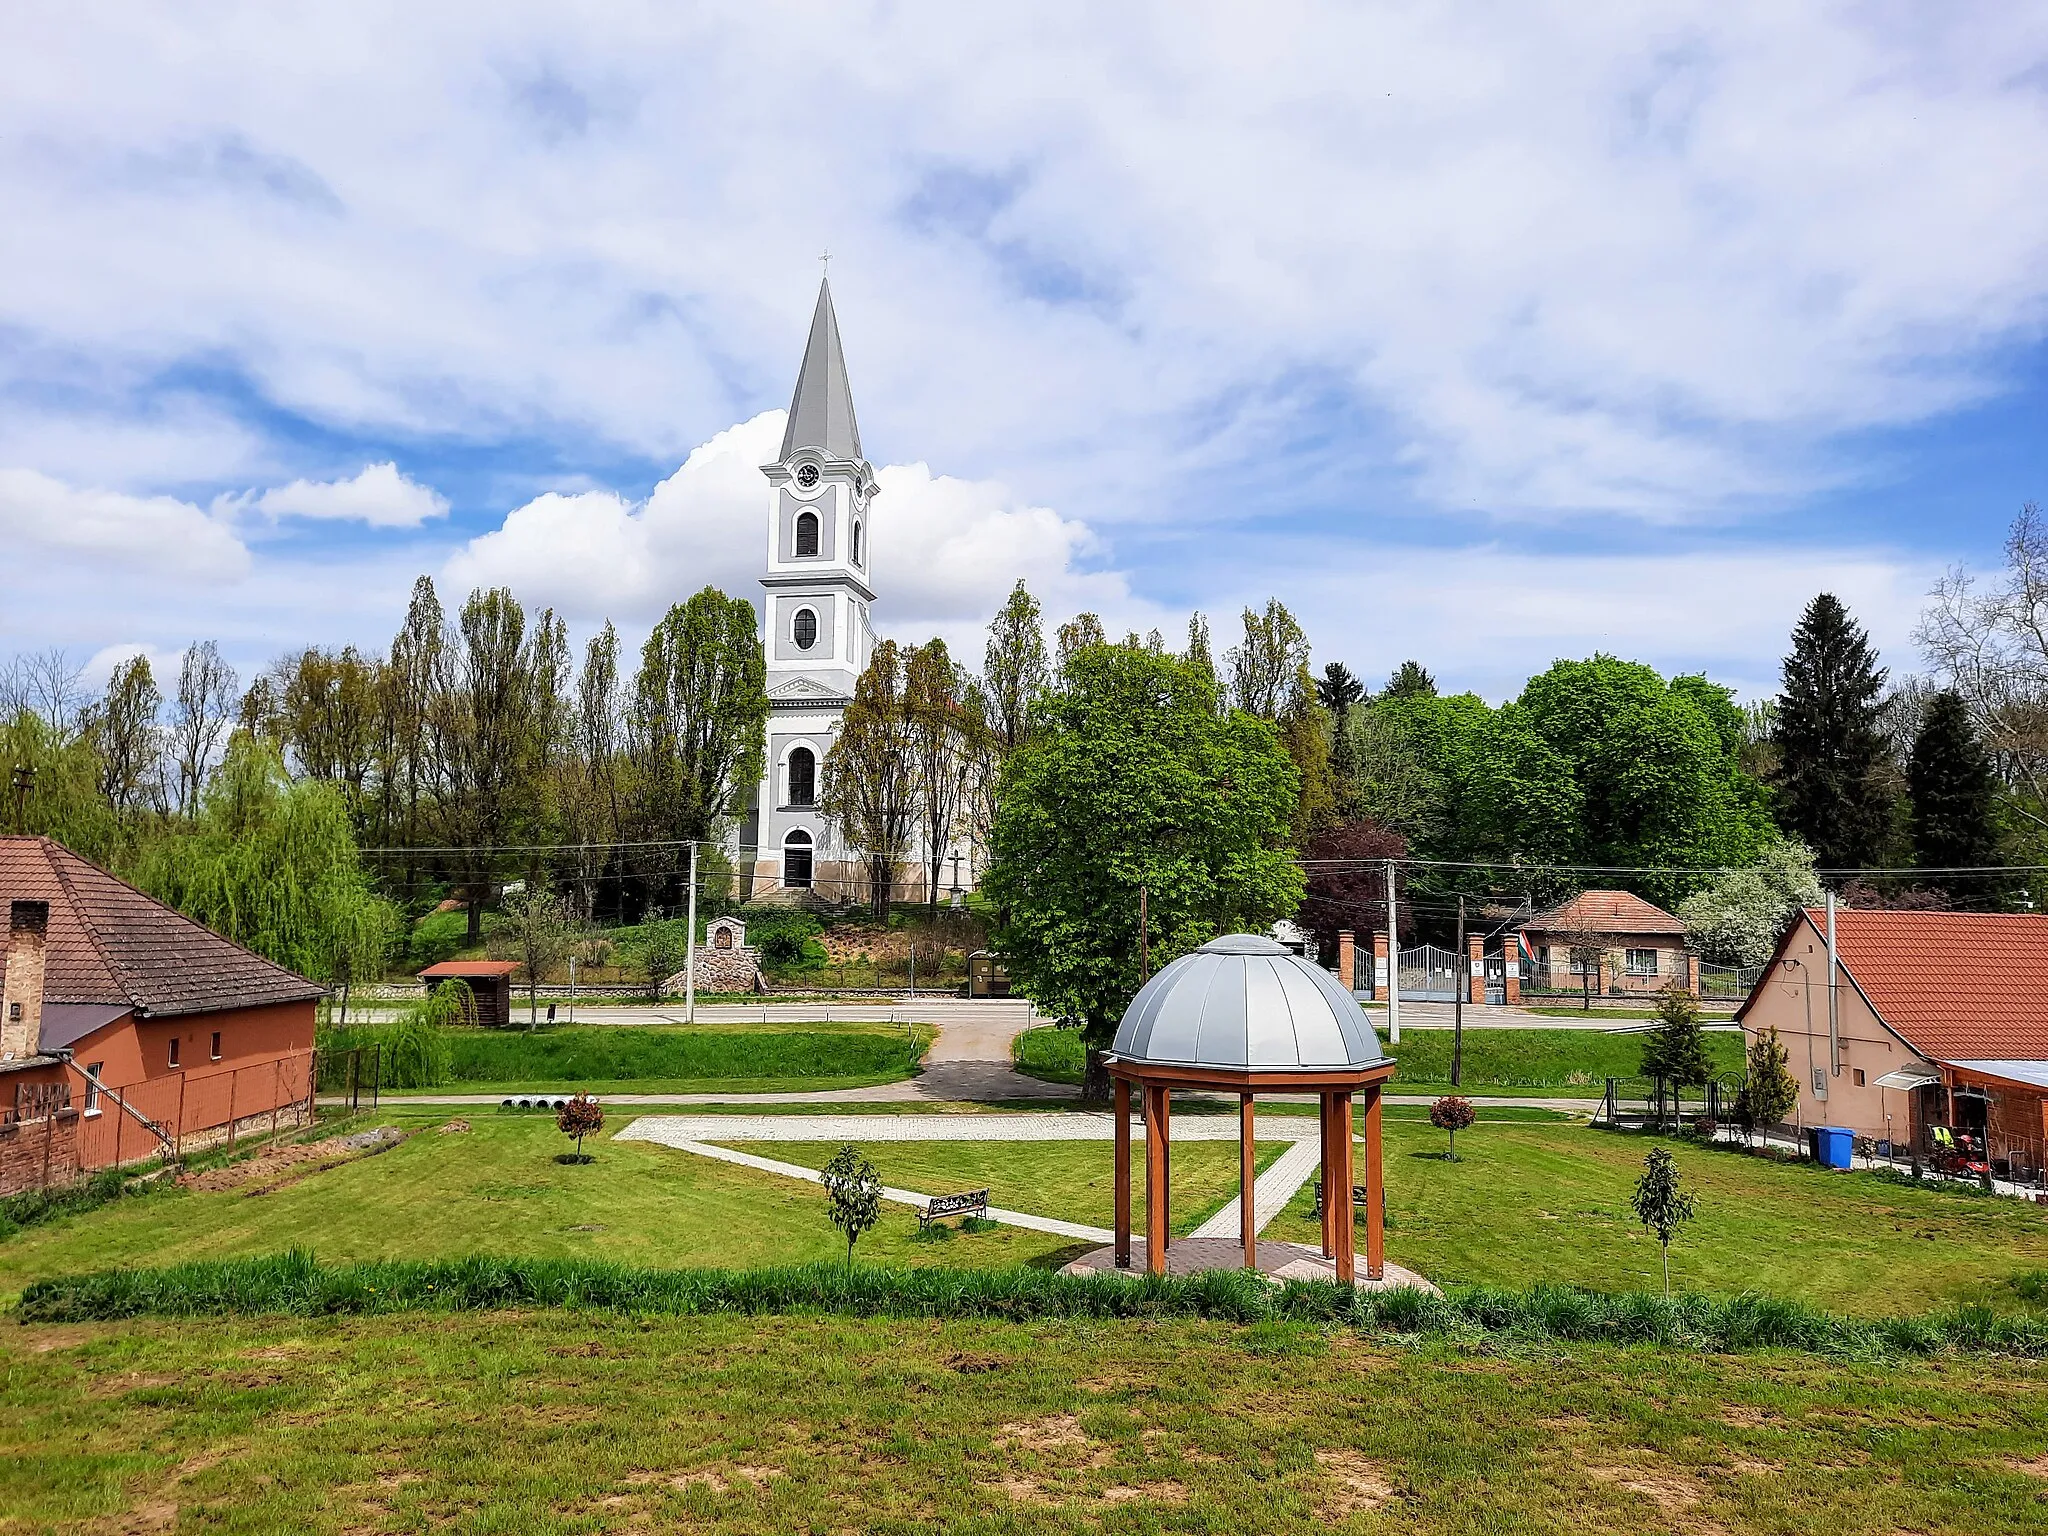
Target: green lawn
(702, 1058)
(1071, 1180)
(1556, 1063)
(497, 1189)
(1529, 1202)
(560, 1424)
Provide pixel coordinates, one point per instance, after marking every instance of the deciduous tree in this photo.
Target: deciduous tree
(1014, 670)
(870, 780)
(1263, 667)
(853, 1196)
(1135, 780)
(1660, 1204)
(200, 713)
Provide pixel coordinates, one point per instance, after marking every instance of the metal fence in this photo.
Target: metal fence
(185, 1112)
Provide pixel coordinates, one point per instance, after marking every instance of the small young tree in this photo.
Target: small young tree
(1769, 1091)
(853, 1195)
(537, 932)
(1675, 1049)
(578, 1117)
(1660, 1204)
(1453, 1114)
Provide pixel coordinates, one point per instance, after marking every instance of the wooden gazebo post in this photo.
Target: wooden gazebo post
(1247, 1177)
(1122, 1092)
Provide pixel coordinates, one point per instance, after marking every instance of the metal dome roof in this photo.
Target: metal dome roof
(1243, 1002)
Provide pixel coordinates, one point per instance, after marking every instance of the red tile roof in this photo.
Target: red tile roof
(470, 968)
(112, 945)
(1605, 912)
(1956, 985)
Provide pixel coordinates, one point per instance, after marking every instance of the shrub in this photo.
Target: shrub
(294, 1284)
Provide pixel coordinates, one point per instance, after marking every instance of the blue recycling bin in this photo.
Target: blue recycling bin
(1832, 1145)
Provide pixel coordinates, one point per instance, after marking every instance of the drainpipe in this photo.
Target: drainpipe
(1834, 1029)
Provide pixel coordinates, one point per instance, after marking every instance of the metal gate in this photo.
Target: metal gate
(1429, 975)
(1497, 979)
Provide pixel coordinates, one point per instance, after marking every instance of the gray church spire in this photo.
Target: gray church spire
(821, 412)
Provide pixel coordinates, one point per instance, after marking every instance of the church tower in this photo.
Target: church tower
(815, 609)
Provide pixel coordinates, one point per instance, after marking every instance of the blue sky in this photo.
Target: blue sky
(1479, 335)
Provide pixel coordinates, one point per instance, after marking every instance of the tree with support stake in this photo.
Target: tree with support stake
(853, 1195)
(1660, 1204)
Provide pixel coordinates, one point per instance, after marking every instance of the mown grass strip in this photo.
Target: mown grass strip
(296, 1284)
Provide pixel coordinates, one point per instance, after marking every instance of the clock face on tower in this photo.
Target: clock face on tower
(807, 475)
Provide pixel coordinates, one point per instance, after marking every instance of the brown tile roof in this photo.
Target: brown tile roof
(470, 968)
(110, 944)
(1605, 912)
(1955, 985)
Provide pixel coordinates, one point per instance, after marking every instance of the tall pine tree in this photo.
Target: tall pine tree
(1830, 747)
(1954, 792)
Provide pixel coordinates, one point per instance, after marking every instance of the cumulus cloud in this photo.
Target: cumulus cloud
(380, 496)
(945, 550)
(113, 528)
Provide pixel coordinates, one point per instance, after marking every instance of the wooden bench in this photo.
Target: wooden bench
(973, 1203)
(1357, 1201)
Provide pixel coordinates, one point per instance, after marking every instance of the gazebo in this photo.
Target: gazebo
(1243, 1014)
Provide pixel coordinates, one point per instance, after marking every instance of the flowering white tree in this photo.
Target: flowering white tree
(1737, 920)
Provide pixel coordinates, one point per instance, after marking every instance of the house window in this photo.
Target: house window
(806, 534)
(803, 629)
(1858, 1073)
(1642, 962)
(92, 1086)
(803, 777)
(796, 861)
(856, 543)
(174, 1050)
(216, 1045)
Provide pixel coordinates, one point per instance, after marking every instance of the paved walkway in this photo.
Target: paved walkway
(1278, 1261)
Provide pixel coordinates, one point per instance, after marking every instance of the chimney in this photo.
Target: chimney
(21, 1003)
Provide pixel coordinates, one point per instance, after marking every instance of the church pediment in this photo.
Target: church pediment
(800, 688)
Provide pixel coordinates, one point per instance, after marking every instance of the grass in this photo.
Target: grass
(1716, 1012)
(651, 1058)
(1557, 1063)
(1068, 1180)
(1531, 1202)
(557, 1423)
(497, 1189)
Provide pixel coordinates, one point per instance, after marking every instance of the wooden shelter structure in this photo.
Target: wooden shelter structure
(1245, 1015)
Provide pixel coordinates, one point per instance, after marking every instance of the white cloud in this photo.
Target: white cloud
(1649, 259)
(380, 496)
(945, 551)
(111, 528)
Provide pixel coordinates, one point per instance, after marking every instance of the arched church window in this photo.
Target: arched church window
(806, 533)
(856, 543)
(796, 861)
(803, 629)
(803, 777)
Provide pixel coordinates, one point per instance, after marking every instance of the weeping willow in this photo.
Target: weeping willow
(413, 1050)
(271, 863)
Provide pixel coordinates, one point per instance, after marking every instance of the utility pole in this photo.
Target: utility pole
(1393, 963)
(1458, 1001)
(1144, 941)
(690, 948)
(1834, 1024)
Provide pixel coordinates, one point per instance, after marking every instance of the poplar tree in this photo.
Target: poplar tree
(936, 735)
(1263, 666)
(870, 783)
(1014, 673)
(1954, 794)
(700, 716)
(1830, 739)
(123, 732)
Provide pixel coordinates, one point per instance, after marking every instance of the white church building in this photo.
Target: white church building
(817, 636)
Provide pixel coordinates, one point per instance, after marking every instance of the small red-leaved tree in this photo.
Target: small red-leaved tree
(578, 1117)
(1453, 1114)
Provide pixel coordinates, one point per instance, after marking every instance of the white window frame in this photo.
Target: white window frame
(93, 1069)
(789, 782)
(797, 837)
(1633, 968)
(796, 536)
(817, 629)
